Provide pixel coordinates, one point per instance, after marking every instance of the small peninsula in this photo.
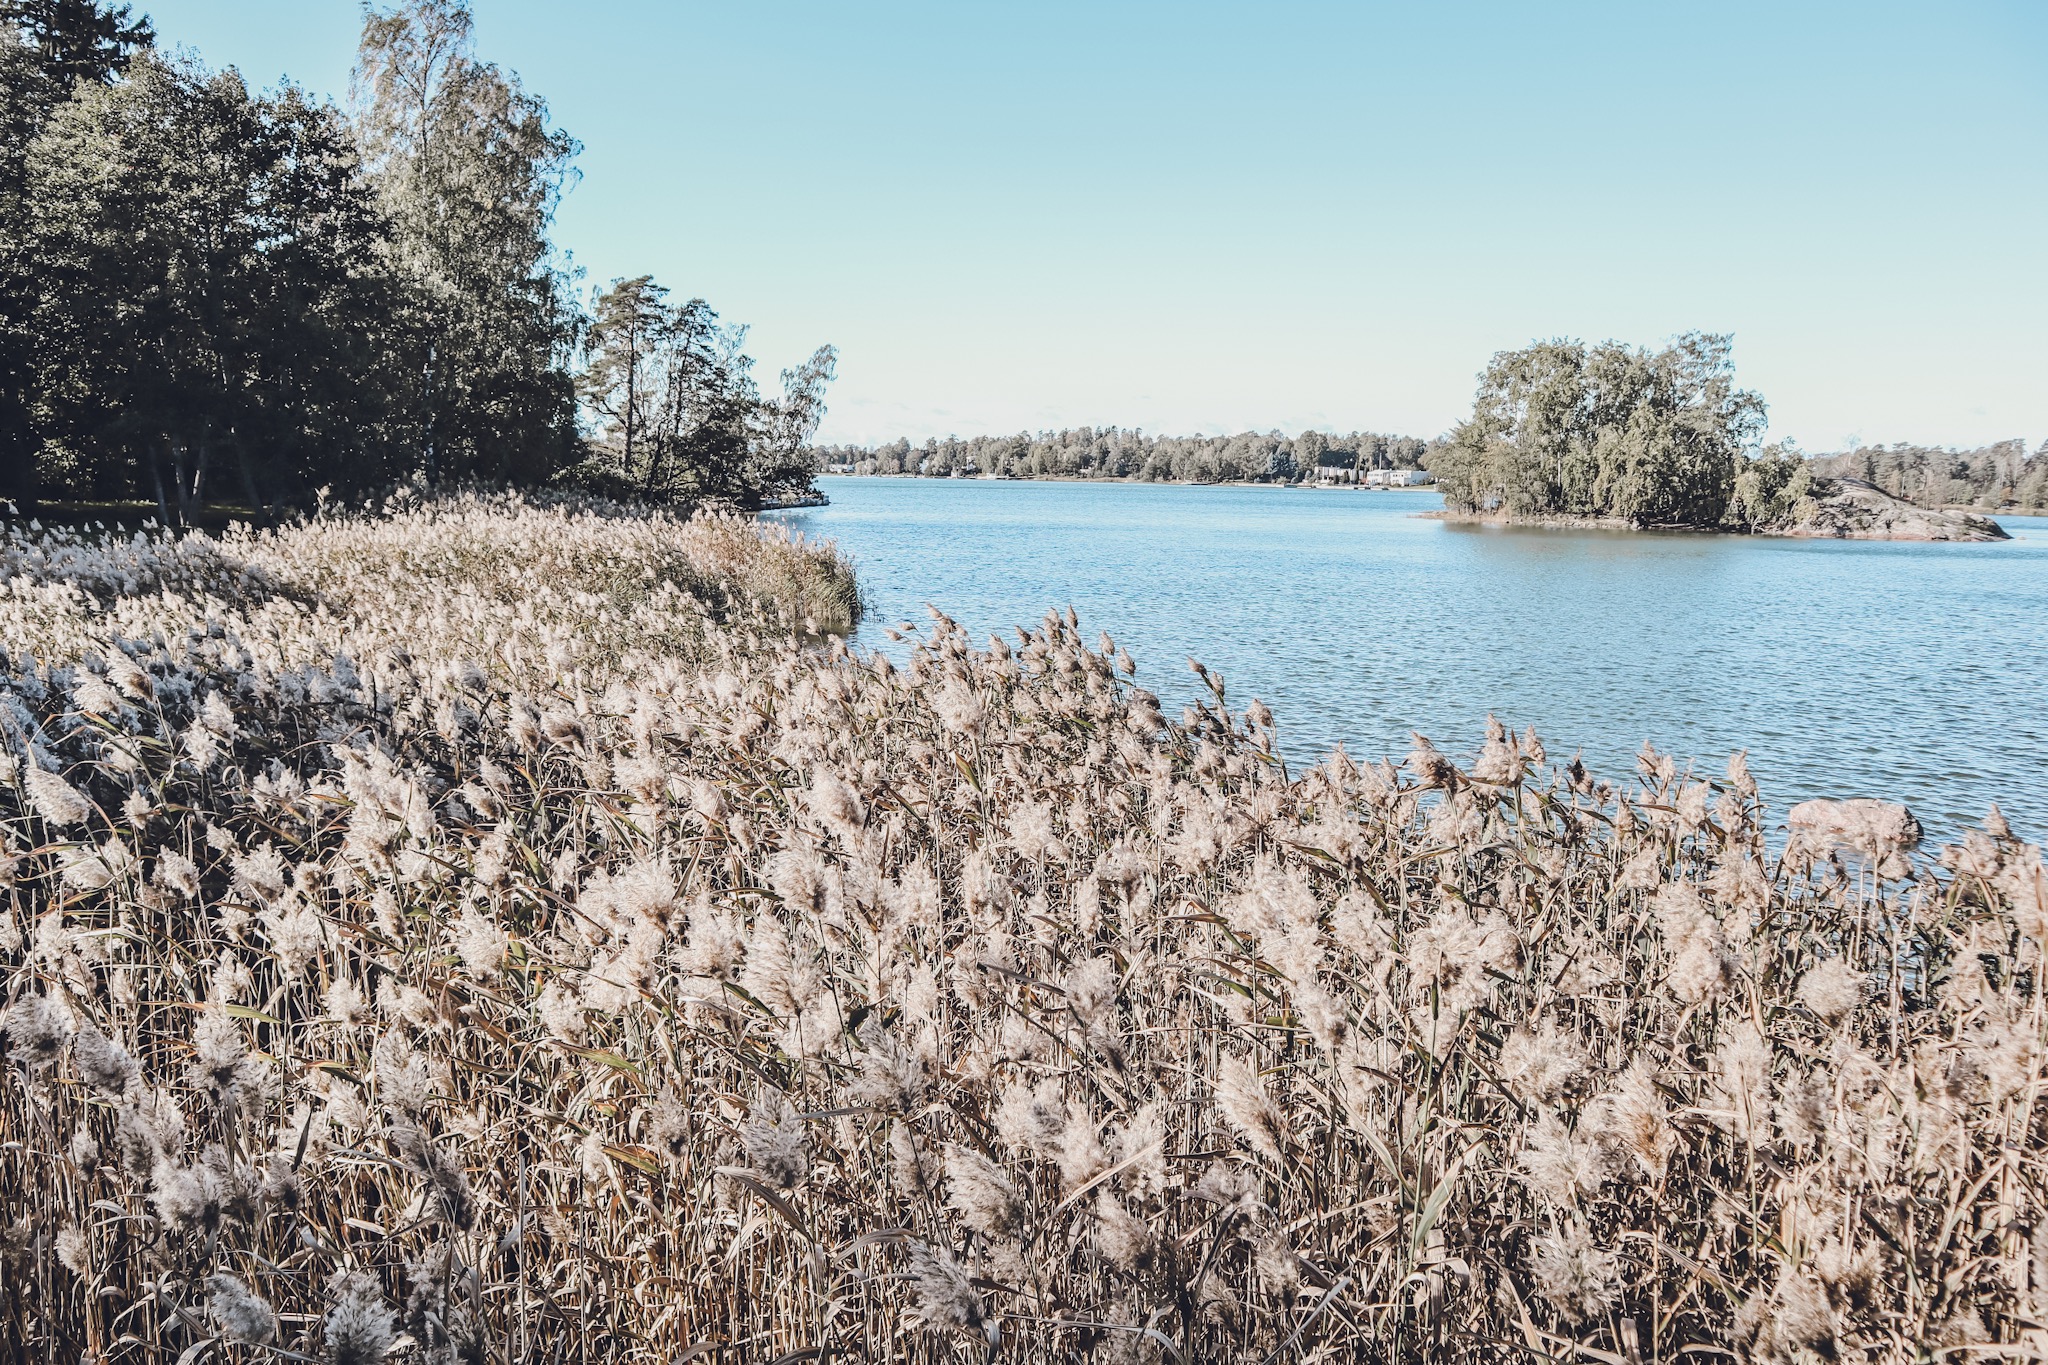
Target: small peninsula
(1565, 434)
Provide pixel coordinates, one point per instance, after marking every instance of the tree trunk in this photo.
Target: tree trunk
(156, 475)
(257, 507)
(632, 405)
(19, 446)
(179, 484)
(655, 460)
(431, 454)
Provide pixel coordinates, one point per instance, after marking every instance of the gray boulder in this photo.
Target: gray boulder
(1850, 509)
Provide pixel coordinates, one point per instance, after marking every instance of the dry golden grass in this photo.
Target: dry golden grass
(503, 933)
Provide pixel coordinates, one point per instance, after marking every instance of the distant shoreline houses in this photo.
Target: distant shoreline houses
(1373, 478)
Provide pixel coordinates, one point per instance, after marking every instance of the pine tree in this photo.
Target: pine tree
(76, 40)
(631, 326)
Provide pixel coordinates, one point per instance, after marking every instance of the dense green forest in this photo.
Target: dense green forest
(209, 293)
(1111, 453)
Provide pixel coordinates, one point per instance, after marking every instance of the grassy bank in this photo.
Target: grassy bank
(501, 932)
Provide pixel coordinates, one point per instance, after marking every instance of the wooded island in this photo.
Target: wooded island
(1565, 433)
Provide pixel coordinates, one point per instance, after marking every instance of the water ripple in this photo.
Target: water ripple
(1918, 672)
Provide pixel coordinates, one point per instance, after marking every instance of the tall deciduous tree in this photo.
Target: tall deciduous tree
(1309, 449)
(470, 173)
(206, 293)
(784, 463)
(1770, 487)
(327, 375)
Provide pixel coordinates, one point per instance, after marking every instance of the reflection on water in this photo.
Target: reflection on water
(1918, 672)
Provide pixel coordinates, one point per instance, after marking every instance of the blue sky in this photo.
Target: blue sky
(1189, 216)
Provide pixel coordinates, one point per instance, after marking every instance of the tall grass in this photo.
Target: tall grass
(499, 932)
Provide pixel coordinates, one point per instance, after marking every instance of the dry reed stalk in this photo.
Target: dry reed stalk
(500, 931)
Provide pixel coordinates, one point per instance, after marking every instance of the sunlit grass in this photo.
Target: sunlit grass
(497, 932)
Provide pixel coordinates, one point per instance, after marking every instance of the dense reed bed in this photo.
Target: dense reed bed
(498, 933)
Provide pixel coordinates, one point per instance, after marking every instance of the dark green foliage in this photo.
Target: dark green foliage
(206, 304)
(76, 40)
(47, 49)
(19, 118)
(1770, 488)
(208, 294)
(1608, 431)
(1310, 449)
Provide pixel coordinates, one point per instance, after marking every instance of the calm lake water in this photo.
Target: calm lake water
(1915, 672)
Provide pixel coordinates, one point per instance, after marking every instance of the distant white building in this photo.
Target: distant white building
(1331, 475)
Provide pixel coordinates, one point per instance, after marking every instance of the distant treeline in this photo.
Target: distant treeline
(1559, 429)
(1113, 453)
(1993, 476)
(208, 293)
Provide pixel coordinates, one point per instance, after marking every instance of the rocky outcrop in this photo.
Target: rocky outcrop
(1850, 509)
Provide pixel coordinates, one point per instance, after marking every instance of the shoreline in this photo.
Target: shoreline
(1908, 523)
(814, 498)
(1151, 483)
(1553, 523)
(1561, 523)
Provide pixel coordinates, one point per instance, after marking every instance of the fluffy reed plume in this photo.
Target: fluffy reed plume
(498, 931)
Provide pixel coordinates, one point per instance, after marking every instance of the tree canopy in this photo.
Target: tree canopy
(1608, 431)
(206, 304)
(48, 50)
(208, 292)
(677, 412)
